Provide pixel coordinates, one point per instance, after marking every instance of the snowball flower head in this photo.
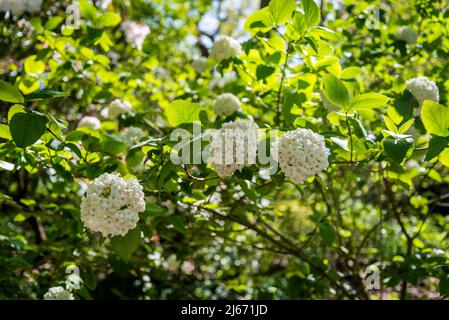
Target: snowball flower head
(406, 34)
(135, 33)
(89, 122)
(58, 293)
(225, 48)
(233, 147)
(226, 104)
(34, 5)
(18, 7)
(301, 154)
(199, 65)
(423, 89)
(116, 108)
(327, 104)
(132, 136)
(112, 205)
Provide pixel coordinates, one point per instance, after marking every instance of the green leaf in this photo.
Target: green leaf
(4, 132)
(311, 13)
(33, 67)
(109, 19)
(87, 10)
(53, 22)
(327, 233)
(335, 90)
(435, 118)
(113, 145)
(398, 149)
(182, 111)
(282, 10)
(406, 126)
(27, 128)
(248, 190)
(259, 21)
(444, 157)
(44, 94)
(436, 146)
(125, 246)
(390, 124)
(443, 286)
(300, 23)
(368, 101)
(351, 73)
(263, 71)
(15, 109)
(9, 93)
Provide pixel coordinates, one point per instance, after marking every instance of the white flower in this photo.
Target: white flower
(233, 147)
(406, 34)
(103, 3)
(301, 154)
(116, 108)
(423, 89)
(327, 104)
(58, 293)
(188, 267)
(132, 136)
(220, 81)
(225, 48)
(199, 65)
(18, 7)
(226, 104)
(135, 33)
(171, 263)
(89, 122)
(34, 6)
(112, 205)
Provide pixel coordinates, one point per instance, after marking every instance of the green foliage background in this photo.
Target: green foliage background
(382, 201)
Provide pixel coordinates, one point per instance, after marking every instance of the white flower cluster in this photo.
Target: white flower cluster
(58, 293)
(18, 7)
(423, 89)
(226, 104)
(233, 147)
(406, 34)
(301, 154)
(116, 108)
(89, 122)
(135, 33)
(199, 65)
(225, 48)
(327, 104)
(132, 136)
(112, 205)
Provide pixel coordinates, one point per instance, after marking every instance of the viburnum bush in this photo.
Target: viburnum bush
(115, 118)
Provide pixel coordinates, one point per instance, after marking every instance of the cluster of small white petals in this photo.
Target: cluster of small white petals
(89, 122)
(423, 89)
(226, 104)
(112, 205)
(18, 7)
(116, 108)
(219, 81)
(135, 33)
(327, 104)
(132, 136)
(233, 147)
(199, 65)
(301, 154)
(225, 48)
(406, 34)
(58, 293)
(103, 3)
